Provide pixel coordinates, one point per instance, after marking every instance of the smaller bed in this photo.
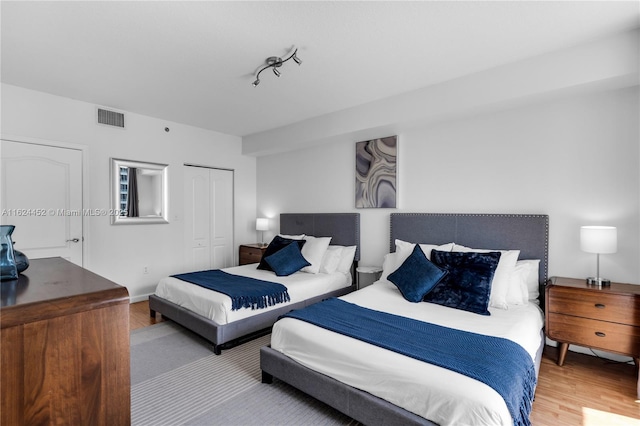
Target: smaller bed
(210, 314)
(380, 386)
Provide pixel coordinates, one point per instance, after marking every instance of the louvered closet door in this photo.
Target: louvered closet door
(208, 218)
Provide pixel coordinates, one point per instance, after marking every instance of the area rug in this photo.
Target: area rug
(177, 380)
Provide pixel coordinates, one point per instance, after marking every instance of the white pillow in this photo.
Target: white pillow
(390, 264)
(392, 261)
(293, 237)
(501, 276)
(530, 269)
(331, 260)
(313, 250)
(518, 294)
(406, 248)
(346, 259)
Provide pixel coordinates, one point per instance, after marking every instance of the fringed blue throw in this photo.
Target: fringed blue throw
(497, 362)
(244, 292)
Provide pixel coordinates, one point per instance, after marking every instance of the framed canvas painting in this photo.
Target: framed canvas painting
(376, 169)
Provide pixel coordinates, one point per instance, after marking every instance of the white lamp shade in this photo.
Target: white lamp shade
(599, 239)
(262, 224)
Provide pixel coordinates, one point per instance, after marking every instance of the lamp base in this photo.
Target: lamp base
(600, 282)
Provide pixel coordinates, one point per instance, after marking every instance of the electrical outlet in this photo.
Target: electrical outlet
(145, 270)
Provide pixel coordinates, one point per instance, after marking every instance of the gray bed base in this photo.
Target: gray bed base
(344, 228)
(527, 233)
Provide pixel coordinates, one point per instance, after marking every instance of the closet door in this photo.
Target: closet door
(221, 218)
(208, 218)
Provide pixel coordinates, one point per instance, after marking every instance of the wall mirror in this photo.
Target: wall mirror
(139, 192)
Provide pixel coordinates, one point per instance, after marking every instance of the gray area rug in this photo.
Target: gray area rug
(177, 380)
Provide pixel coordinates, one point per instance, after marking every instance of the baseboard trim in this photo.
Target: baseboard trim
(139, 298)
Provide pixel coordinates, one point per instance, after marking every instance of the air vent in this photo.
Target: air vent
(110, 118)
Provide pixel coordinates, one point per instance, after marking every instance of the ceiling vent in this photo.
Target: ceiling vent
(110, 118)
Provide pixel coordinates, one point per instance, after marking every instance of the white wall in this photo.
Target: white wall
(574, 158)
(120, 253)
(556, 134)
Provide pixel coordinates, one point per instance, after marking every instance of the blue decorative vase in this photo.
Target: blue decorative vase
(22, 261)
(8, 267)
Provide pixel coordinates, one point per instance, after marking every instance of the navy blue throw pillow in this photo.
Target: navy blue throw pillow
(287, 260)
(416, 276)
(467, 285)
(275, 245)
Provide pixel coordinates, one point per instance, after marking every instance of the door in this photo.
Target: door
(41, 194)
(208, 218)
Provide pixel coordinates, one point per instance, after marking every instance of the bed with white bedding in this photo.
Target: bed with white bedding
(210, 313)
(379, 386)
(217, 306)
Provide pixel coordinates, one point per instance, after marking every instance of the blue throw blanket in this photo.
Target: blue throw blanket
(244, 292)
(497, 362)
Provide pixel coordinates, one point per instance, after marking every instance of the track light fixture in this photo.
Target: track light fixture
(275, 62)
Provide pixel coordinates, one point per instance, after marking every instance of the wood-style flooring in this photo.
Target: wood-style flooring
(586, 391)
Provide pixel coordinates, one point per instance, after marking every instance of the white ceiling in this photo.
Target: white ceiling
(194, 62)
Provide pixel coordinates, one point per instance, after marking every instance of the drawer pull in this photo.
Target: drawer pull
(600, 306)
(600, 334)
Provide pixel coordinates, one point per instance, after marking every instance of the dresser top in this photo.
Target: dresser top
(616, 288)
(52, 287)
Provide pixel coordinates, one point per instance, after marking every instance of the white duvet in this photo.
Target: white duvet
(432, 392)
(217, 306)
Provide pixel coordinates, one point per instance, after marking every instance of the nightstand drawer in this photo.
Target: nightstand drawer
(618, 308)
(603, 335)
(250, 254)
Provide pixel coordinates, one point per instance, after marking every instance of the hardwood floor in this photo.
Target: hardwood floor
(586, 391)
(140, 316)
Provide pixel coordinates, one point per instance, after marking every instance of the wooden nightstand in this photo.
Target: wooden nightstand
(251, 253)
(605, 318)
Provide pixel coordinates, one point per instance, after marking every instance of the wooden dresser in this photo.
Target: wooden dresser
(64, 347)
(251, 253)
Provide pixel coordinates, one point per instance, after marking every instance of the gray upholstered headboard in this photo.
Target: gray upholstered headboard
(344, 228)
(525, 232)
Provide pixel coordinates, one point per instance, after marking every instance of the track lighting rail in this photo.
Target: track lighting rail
(275, 62)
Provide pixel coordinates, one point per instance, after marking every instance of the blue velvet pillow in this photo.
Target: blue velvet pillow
(287, 260)
(467, 285)
(416, 276)
(275, 245)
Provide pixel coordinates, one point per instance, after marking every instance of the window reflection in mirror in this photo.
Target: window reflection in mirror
(139, 192)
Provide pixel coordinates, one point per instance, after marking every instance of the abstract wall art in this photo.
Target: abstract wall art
(376, 168)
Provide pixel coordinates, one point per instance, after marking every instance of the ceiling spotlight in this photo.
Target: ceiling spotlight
(275, 62)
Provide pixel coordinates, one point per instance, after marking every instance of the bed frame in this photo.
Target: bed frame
(527, 233)
(344, 228)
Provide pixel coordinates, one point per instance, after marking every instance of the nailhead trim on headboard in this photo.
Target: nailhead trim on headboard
(420, 221)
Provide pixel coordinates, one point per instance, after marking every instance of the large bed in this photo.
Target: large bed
(380, 386)
(209, 314)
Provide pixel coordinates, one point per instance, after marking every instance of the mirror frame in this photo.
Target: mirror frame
(116, 164)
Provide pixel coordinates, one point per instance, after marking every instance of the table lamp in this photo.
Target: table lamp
(599, 240)
(262, 224)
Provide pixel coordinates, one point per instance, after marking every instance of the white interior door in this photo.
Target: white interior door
(208, 218)
(41, 194)
(197, 230)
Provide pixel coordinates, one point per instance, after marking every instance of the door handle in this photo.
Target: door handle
(74, 240)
